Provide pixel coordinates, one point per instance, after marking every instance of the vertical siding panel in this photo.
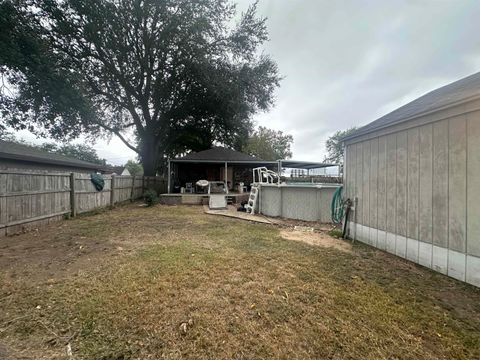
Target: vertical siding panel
(413, 183)
(401, 183)
(359, 182)
(425, 191)
(373, 233)
(373, 183)
(402, 172)
(366, 183)
(348, 171)
(353, 165)
(382, 179)
(440, 183)
(391, 182)
(457, 186)
(473, 182)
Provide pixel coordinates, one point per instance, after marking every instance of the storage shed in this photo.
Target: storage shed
(416, 175)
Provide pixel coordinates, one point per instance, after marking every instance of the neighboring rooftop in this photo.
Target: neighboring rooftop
(14, 151)
(219, 154)
(460, 90)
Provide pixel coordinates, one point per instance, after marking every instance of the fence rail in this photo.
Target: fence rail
(31, 199)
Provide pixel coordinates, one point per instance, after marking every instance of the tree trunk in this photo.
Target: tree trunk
(149, 155)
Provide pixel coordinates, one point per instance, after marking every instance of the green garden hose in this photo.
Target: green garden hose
(337, 206)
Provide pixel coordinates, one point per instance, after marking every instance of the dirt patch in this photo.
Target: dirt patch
(65, 248)
(317, 239)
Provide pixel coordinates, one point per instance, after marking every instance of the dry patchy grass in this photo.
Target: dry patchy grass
(172, 282)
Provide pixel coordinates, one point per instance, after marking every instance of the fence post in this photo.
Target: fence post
(112, 191)
(143, 184)
(73, 204)
(133, 188)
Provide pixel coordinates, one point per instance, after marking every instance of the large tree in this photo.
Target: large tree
(165, 76)
(268, 144)
(334, 144)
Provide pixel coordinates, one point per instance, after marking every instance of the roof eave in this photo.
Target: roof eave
(39, 160)
(224, 161)
(413, 117)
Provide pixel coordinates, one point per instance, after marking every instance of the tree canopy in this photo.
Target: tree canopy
(165, 76)
(134, 168)
(334, 146)
(76, 151)
(268, 144)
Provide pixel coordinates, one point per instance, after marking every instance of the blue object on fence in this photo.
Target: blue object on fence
(97, 181)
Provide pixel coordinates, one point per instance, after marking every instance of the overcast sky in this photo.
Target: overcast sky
(346, 63)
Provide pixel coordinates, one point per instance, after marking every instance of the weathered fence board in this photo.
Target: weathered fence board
(31, 199)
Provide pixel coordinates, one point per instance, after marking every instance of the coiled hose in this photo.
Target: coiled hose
(337, 206)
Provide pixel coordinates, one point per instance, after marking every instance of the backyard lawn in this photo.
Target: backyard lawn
(175, 283)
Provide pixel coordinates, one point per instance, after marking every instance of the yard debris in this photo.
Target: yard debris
(185, 325)
(303, 228)
(69, 351)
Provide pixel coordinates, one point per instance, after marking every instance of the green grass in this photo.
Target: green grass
(249, 295)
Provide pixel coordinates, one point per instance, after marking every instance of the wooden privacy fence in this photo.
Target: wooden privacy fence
(29, 200)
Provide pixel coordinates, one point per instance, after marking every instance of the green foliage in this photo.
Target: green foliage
(336, 233)
(134, 168)
(335, 146)
(76, 151)
(175, 74)
(268, 144)
(150, 197)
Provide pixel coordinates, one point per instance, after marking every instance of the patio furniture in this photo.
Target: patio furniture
(189, 188)
(201, 186)
(217, 187)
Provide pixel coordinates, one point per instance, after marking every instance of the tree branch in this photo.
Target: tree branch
(120, 136)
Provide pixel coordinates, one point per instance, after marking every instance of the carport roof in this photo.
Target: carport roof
(220, 155)
(294, 164)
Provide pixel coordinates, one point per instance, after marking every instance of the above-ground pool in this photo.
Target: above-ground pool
(300, 201)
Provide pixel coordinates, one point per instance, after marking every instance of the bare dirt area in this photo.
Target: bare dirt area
(316, 238)
(172, 282)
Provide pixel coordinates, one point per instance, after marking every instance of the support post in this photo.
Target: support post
(226, 175)
(112, 191)
(355, 206)
(133, 188)
(73, 204)
(168, 177)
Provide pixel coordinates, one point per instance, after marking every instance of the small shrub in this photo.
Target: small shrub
(150, 197)
(336, 233)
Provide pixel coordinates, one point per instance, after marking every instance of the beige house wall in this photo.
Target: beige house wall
(418, 190)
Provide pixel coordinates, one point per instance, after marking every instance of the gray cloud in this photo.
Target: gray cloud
(348, 62)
